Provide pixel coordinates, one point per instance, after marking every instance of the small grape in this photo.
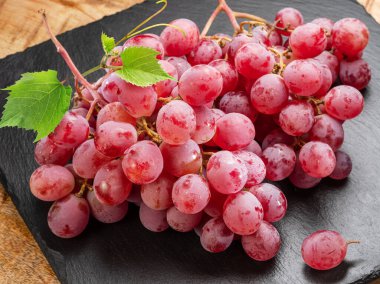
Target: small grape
(243, 213)
(328, 130)
(234, 131)
(112, 87)
(180, 64)
(317, 159)
(239, 102)
(147, 40)
(165, 87)
(331, 61)
(205, 125)
(279, 160)
(114, 112)
(297, 118)
(272, 199)
(229, 74)
(158, 194)
(324, 249)
(301, 179)
(182, 159)
(355, 73)
(226, 173)
(237, 42)
(287, 19)
(214, 207)
(111, 185)
(182, 222)
(254, 147)
(255, 167)
(191, 194)
(47, 152)
(327, 25)
(176, 122)
(175, 42)
(343, 166)
(277, 136)
(106, 213)
(215, 236)
(68, 217)
(264, 244)
(153, 220)
(271, 38)
(51, 182)
(206, 51)
(327, 80)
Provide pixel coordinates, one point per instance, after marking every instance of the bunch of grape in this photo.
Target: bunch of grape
(195, 153)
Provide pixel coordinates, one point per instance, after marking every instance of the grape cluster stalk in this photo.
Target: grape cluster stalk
(201, 152)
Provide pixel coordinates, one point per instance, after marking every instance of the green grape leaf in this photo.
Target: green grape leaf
(37, 101)
(140, 66)
(108, 43)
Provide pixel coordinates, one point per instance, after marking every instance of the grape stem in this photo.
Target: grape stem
(92, 108)
(210, 20)
(168, 99)
(62, 51)
(143, 126)
(281, 66)
(82, 190)
(352, 242)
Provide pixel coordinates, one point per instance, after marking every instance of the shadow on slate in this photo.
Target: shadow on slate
(126, 252)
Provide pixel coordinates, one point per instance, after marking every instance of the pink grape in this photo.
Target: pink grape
(301, 179)
(229, 74)
(83, 112)
(206, 51)
(272, 199)
(182, 159)
(224, 43)
(115, 59)
(253, 60)
(237, 42)
(297, 118)
(111, 186)
(355, 73)
(205, 125)
(51, 182)
(317, 159)
(264, 244)
(153, 220)
(106, 213)
(87, 160)
(307, 41)
(214, 207)
(199, 227)
(138, 101)
(176, 43)
(199, 85)
(343, 166)
(331, 61)
(215, 236)
(344, 102)
(234, 131)
(288, 18)
(68, 217)
(158, 194)
(239, 102)
(328, 130)
(255, 167)
(176, 122)
(135, 195)
(279, 160)
(191, 194)
(143, 162)
(269, 94)
(268, 38)
(287, 56)
(303, 77)
(165, 87)
(277, 136)
(243, 213)
(114, 112)
(226, 173)
(180, 64)
(149, 41)
(113, 138)
(182, 222)
(324, 249)
(112, 88)
(326, 81)
(71, 131)
(47, 152)
(327, 25)
(254, 147)
(350, 36)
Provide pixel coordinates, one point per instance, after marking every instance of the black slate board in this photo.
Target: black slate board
(126, 252)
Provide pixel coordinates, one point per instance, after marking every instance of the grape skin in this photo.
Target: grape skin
(297, 118)
(180, 64)
(47, 152)
(226, 173)
(328, 130)
(289, 18)
(182, 222)
(182, 159)
(229, 74)
(237, 42)
(277, 136)
(324, 249)
(279, 160)
(112, 87)
(206, 51)
(301, 179)
(165, 87)
(214, 207)
(243, 213)
(326, 80)
(264, 244)
(111, 185)
(355, 73)
(205, 125)
(51, 182)
(255, 167)
(176, 122)
(327, 25)
(106, 213)
(272, 199)
(215, 236)
(191, 194)
(237, 101)
(114, 112)
(68, 217)
(149, 41)
(343, 166)
(153, 220)
(254, 147)
(143, 162)
(331, 61)
(317, 159)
